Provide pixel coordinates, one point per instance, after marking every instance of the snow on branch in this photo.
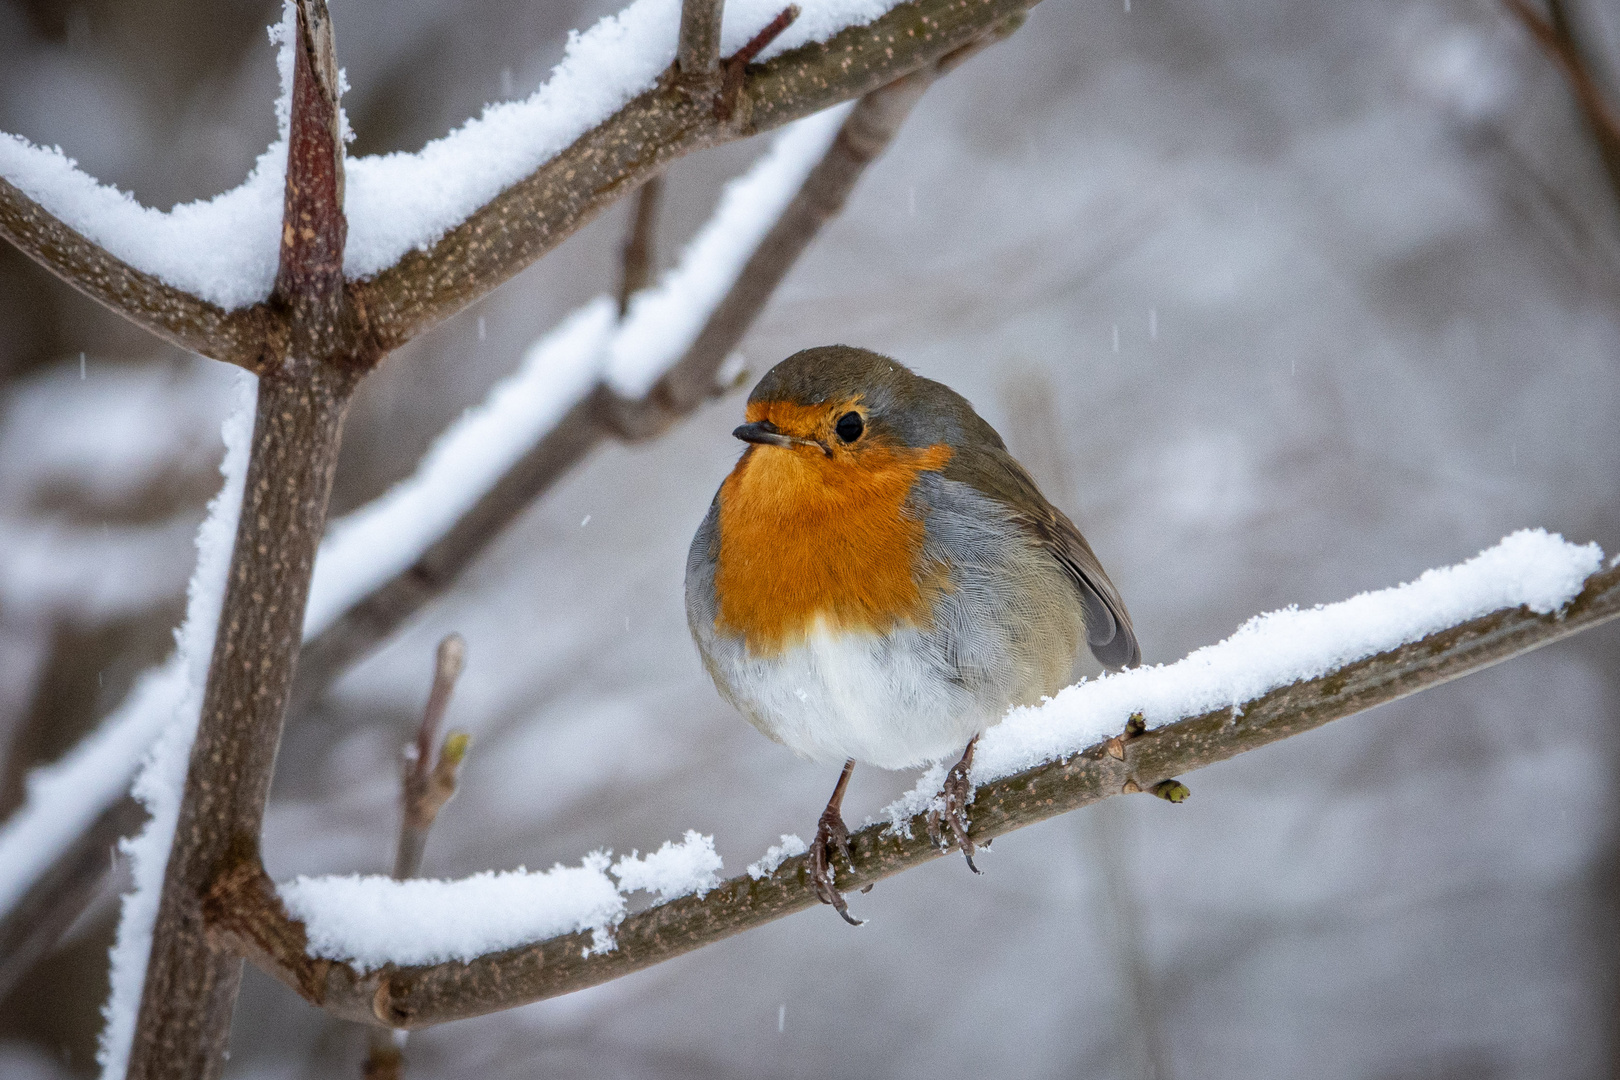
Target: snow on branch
(436, 229)
(373, 921)
(1279, 675)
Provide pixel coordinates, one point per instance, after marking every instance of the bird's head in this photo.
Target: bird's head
(849, 406)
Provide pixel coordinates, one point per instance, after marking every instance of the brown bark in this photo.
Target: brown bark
(697, 53)
(616, 157)
(637, 260)
(247, 338)
(250, 918)
(190, 988)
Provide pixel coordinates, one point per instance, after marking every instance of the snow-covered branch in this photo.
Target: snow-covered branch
(238, 337)
(1278, 676)
(434, 231)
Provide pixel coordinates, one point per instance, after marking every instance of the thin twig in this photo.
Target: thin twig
(1557, 39)
(637, 261)
(736, 65)
(426, 786)
(430, 781)
(244, 912)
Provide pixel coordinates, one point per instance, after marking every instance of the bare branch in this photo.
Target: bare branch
(637, 259)
(603, 415)
(1557, 39)
(31, 929)
(430, 783)
(247, 915)
(190, 988)
(244, 338)
(697, 54)
(427, 786)
(537, 213)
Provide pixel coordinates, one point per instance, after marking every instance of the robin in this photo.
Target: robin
(879, 581)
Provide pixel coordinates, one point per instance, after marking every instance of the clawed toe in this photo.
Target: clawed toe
(956, 794)
(831, 835)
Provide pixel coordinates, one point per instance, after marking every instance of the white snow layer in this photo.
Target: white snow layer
(776, 855)
(374, 920)
(684, 869)
(381, 539)
(168, 708)
(224, 249)
(1532, 568)
(367, 547)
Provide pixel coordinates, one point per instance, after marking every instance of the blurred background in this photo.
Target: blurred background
(1280, 301)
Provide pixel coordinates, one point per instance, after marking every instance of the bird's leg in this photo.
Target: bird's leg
(957, 792)
(832, 834)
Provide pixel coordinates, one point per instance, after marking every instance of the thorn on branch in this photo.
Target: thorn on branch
(737, 63)
(309, 278)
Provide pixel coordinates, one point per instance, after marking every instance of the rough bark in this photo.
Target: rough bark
(247, 915)
(616, 157)
(190, 988)
(247, 337)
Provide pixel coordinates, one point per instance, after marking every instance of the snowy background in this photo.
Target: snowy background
(1281, 301)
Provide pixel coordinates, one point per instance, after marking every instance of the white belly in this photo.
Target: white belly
(880, 699)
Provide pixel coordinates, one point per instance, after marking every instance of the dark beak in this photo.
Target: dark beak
(765, 433)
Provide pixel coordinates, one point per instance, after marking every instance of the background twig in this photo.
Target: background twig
(637, 260)
(427, 784)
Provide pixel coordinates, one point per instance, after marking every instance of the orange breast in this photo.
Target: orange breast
(804, 536)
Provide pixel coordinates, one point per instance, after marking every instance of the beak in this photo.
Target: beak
(765, 433)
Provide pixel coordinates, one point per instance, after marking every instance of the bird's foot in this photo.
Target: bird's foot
(831, 835)
(957, 793)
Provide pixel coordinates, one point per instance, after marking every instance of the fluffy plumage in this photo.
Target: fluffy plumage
(888, 598)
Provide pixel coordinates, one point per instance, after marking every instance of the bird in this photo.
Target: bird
(878, 581)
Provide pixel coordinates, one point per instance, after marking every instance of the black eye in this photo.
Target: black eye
(850, 426)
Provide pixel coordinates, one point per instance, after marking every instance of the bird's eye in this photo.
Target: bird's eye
(850, 426)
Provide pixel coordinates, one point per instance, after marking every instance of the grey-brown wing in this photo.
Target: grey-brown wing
(1108, 625)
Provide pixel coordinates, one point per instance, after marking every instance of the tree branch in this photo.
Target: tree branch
(190, 987)
(246, 338)
(34, 925)
(637, 257)
(1557, 39)
(246, 914)
(539, 212)
(430, 782)
(426, 786)
(603, 415)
